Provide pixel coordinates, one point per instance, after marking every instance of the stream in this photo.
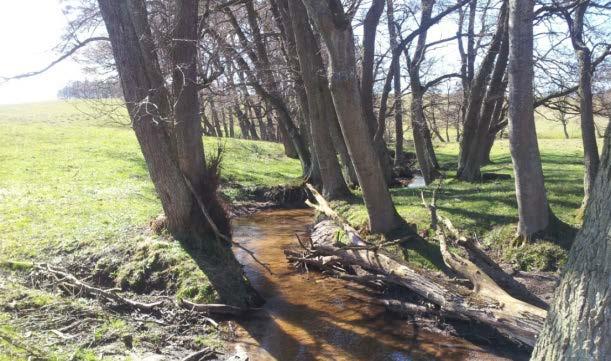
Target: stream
(308, 316)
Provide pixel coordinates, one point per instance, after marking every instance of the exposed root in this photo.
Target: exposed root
(65, 278)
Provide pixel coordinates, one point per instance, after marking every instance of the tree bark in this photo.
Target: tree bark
(372, 19)
(315, 82)
(336, 30)
(480, 104)
(533, 209)
(172, 148)
(588, 131)
(398, 96)
(578, 324)
(425, 153)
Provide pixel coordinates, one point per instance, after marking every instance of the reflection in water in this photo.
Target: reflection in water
(312, 317)
(417, 182)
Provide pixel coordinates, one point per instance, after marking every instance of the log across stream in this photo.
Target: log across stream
(308, 316)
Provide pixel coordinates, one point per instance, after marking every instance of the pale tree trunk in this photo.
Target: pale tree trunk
(172, 148)
(578, 324)
(315, 82)
(398, 96)
(336, 30)
(225, 125)
(533, 208)
(215, 118)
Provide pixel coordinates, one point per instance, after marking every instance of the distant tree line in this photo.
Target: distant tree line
(91, 89)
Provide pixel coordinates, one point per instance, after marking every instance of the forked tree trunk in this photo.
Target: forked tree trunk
(172, 148)
(315, 82)
(533, 210)
(480, 103)
(425, 153)
(336, 30)
(578, 324)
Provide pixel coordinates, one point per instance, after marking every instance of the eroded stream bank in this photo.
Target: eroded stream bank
(313, 317)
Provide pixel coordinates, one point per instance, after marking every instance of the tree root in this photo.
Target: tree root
(110, 295)
(70, 281)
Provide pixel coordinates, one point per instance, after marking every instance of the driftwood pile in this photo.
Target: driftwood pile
(491, 297)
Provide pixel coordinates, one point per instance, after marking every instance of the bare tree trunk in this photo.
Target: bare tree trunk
(425, 153)
(336, 31)
(588, 131)
(480, 103)
(215, 119)
(578, 324)
(370, 25)
(225, 126)
(173, 148)
(533, 209)
(315, 82)
(231, 126)
(398, 96)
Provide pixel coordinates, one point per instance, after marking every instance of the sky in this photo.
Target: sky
(29, 30)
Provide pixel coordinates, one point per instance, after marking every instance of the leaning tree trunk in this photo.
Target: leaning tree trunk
(533, 208)
(578, 324)
(481, 103)
(172, 148)
(315, 82)
(336, 30)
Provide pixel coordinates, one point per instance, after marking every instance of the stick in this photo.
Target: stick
(213, 308)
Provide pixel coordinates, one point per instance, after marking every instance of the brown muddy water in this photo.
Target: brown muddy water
(313, 317)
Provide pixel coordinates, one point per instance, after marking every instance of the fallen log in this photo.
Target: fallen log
(488, 303)
(491, 268)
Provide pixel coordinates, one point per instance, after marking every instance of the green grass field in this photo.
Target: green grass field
(74, 191)
(70, 179)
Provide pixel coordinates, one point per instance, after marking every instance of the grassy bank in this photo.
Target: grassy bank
(488, 210)
(74, 191)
